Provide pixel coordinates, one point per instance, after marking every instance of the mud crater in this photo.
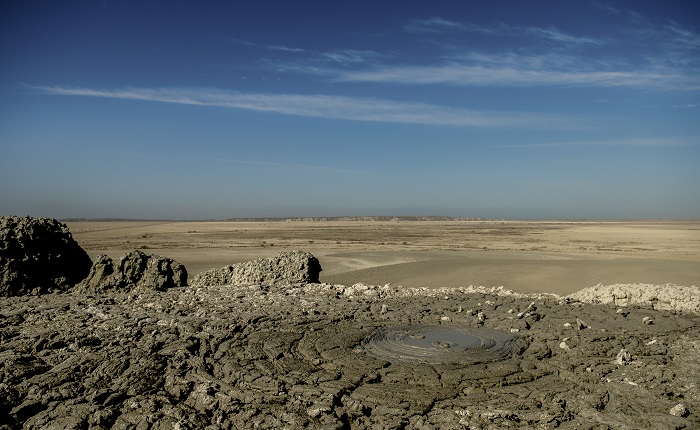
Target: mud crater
(443, 344)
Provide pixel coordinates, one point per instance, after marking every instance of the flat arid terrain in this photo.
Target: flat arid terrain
(411, 325)
(526, 256)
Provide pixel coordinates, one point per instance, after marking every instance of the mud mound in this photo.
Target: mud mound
(440, 344)
(37, 256)
(135, 271)
(665, 297)
(245, 357)
(288, 267)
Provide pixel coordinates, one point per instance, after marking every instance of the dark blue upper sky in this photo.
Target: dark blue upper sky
(217, 109)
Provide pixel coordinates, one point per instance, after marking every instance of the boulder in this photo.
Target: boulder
(287, 267)
(38, 256)
(135, 271)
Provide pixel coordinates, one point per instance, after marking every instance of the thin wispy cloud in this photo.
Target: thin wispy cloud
(684, 37)
(514, 75)
(607, 8)
(324, 106)
(555, 35)
(507, 70)
(268, 47)
(640, 54)
(665, 57)
(552, 34)
(641, 141)
(348, 56)
(433, 25)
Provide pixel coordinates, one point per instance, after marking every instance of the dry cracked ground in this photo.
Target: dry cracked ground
(298, 357)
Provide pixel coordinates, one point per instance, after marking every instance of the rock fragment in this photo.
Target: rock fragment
(135, 271)
(623, 357)
(287, 267)
(38, 256)
(527, 312)
(680, 410)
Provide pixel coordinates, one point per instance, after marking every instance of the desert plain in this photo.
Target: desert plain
(525, 256)
(433, 324)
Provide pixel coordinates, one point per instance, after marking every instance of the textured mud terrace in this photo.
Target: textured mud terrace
(301, 356)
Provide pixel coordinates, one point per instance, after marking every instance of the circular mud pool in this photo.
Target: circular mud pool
(440, 344)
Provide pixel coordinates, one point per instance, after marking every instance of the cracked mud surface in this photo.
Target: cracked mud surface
(293, 357)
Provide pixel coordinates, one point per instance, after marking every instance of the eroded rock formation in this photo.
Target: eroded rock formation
(666, 297)
(38, 256)
(135, 271)
(287, 267)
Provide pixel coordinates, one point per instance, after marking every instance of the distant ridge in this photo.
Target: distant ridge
(364, 218)
(273, 219)
(118, 219)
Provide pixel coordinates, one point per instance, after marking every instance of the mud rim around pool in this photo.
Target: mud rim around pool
(441, 344)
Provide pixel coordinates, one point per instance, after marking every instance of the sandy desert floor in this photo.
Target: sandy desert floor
(548, 257)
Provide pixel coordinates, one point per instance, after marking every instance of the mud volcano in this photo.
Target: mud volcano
(440, 344)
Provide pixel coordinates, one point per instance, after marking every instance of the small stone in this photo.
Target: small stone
(568, 325)
(384, 310)
(446, 319)
(623, 357)
(648, 321)
(679, 410)
(580, 324)
(514, 330)
(564, 346)
(481, 317)
(315, 411)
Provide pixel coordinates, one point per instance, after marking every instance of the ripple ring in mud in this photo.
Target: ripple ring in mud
(440, 344)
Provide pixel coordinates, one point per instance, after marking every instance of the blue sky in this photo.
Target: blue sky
(198, 110)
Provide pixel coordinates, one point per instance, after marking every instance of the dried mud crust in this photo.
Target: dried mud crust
(293, 357)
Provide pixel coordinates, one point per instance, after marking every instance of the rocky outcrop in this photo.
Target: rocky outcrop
(135, 271)
(38, 256)
(663, 297)
(287, 267)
